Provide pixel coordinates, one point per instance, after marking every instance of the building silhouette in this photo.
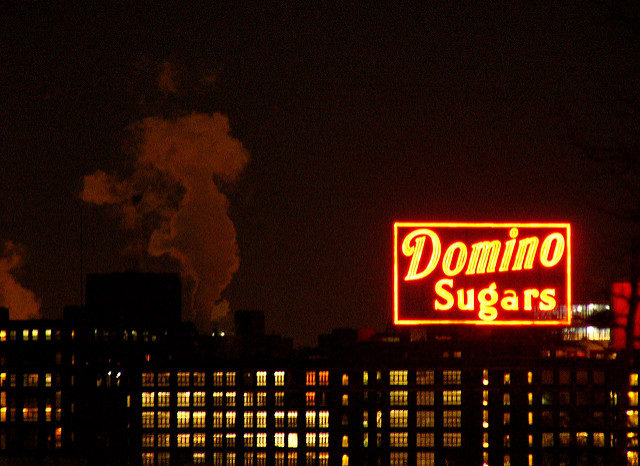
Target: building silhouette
(105, 385)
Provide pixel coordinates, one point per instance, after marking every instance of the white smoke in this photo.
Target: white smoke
(180, 166)
(22, 303)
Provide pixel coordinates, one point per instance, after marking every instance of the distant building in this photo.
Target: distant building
(107, 389)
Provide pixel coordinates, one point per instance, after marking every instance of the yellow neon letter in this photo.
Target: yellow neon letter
(470, 304)
(508, 250)
(484, 256)
(529, 293)
(416, 252)
(558, 250)
(528, 247)
(547, 299)
(448, 257)
(487, 298)
(445, 294)
(510, 301)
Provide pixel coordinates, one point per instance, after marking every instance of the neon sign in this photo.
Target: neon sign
(482, 273)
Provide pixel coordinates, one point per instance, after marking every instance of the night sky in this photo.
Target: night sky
(353, 118)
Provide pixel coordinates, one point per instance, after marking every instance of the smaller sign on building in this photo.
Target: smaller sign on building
(482, 273)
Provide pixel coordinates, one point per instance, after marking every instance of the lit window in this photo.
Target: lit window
(424, 439)
(3, 335)
(231, 379)
(310, 439)
(163, 440)
(424, 419)
(581, 438)
(506, 419)
(248, 399)
(632, 458)
(279, 378)
(506, 399)
(323, 419)
(248, 440)
(183, 379)
(217, 440)
(279, 418)
(365, 378)
(261, 440)
(397, 458)
(485, 377)
(148, 458)
(345, 458)
(183, 399)
(230, 398)
(261, 399)
(148, 440)
(164, 419)
(30, 380)
(217, 379)
(378, 419)
(148, 399)
(199, 419)
(451, 439)
(323, 377)
(34, 334)
(147, 379)
(425, 458)
(345, 379)
(148, 419)
(230, 440)
(598, 439)
(530, 418)
(345, 441)
(424, 398)
(292, 419)
(632, 418)
(323, 439)
(217, 419)
(345, 400)
(451, 377)
(323, 458)
(261, 419)
(198, 399)
(278, 439)
(451, 419)
(183, 419)
(279, 398)
(47, 379)
(398, 439)
(183, 440)
(398, 377)
(398, 418)
(217, 398)
(261, 378)
(485, 397)
(398, 398)
(310, 419)
(248, 420)
(163, 399)
(451, 397)
(547, 439)
(292, 440)
(25, 335)
(310, 378)
(529, 377)
(163, 379)
(230, 417)
(198, 379)
(310, 398)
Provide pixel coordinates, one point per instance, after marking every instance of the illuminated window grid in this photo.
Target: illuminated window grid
(424, 377)
(398, 418)
(398, 398)
(451, 377)
(398, 377)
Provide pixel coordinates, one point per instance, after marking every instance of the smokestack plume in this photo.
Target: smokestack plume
(174, 202)
(22, 303)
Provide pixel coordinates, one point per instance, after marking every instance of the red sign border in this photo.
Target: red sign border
(397, 321)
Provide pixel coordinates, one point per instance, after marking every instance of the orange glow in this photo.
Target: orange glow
(526, 253)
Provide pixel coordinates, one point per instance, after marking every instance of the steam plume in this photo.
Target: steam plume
(175, 187)
(22, 303)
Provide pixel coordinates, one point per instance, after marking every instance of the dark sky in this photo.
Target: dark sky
(353, 117)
